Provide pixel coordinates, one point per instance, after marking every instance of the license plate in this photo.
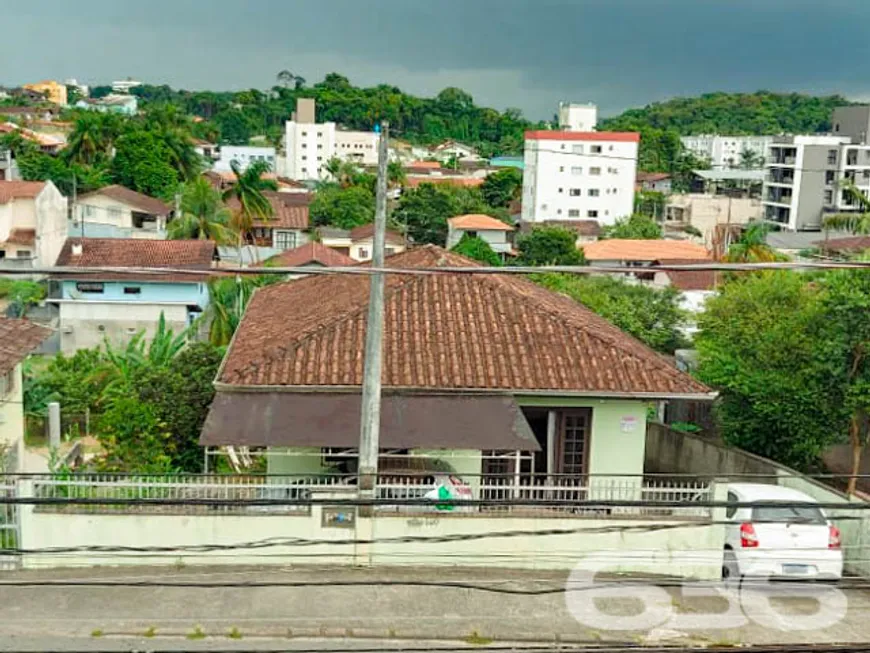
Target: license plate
(796, 569)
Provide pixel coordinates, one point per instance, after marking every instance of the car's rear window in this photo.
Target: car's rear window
(788, 514)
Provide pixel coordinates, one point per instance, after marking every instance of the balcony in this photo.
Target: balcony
(15, 263)
(777, 214)
(783, 156)
(778, 195)
(779, 176)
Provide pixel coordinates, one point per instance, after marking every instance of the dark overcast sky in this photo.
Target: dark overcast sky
(525, 53)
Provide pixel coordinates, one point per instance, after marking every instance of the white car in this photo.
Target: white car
(779, 541)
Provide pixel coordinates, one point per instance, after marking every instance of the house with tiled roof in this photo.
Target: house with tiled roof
(33, 223)
(311, 254)
(18, 338)
(490, 374)
(115, 305)
(638, 252)
(119, 212)
(494, 232)
(287, 228)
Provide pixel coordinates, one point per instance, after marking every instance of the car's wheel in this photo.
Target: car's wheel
(730, 567)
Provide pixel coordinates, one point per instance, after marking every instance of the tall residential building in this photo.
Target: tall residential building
(309, 145)
(726, 151)
(579, 175)
(804, 178)
(125, 85)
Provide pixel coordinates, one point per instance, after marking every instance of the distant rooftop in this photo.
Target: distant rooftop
(730, 174)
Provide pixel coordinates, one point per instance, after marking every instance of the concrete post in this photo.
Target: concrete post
(53, 425)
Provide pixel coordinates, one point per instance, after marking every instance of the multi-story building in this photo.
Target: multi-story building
(125, 85)
(244, 155)
(727, 151)
(309, 145)
(579, 175)
(53, 91)
(801, 180)
(33, 223)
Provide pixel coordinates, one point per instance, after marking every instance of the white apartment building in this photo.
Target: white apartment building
(579, 175)
(244, 155)
(725, 151)
(309, 145)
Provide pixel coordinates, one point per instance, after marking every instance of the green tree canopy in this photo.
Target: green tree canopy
(549, 246)
(651, 315)
(203, 215)
(426, 209)
(142, 163)
(761, 344)
(639, 227)
(342, 207)
(478, 249)
(502, 187)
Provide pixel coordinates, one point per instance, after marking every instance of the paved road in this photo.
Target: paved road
(172, 645)
(399, 612)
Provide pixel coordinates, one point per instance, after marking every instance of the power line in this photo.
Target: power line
(578, 504)
(72, 272)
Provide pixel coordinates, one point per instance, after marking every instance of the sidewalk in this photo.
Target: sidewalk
(382, 611)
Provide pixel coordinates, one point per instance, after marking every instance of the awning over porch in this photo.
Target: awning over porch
(285, 419)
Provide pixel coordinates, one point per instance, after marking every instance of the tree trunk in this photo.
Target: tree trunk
(857, 450)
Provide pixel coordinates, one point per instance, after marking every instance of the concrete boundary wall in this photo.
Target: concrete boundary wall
(674, 452)
(680, 547)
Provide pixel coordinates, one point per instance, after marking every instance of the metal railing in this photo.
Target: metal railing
(558, 494)
(182, 488)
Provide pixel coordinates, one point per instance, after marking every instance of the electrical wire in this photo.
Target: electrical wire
(71, 272)
(580, 504)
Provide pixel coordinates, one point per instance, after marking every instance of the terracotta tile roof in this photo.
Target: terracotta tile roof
(367, 231)
(413, 181)
(442, 332)
(850, 244)
(290, 209)
(544, 135)
(478, 222)
(17, 339)
(22, 237)
(17, 190)
(689, 279)
(131, 198)
(643, 250)
(424, 164)
(135, 252)
(311, 253)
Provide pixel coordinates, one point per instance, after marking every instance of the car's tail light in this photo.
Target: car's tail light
(833, 537)
(748, 538)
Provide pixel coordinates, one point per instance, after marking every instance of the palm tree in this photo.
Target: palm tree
(753, 248)
(247, 190)
(203, 215)
(396, 177)
(857, 223)
(92, 137)
(342, 172)
(227, 300)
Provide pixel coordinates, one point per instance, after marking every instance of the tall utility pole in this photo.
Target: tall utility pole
(371, 391)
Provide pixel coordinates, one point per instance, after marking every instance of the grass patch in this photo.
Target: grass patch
(151, 632)
(196, 633)
(234, 633)
(97, 632)
(476, 639)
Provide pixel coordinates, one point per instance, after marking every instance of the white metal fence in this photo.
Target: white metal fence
(9, 538)
(556, 494)
(195, 489)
